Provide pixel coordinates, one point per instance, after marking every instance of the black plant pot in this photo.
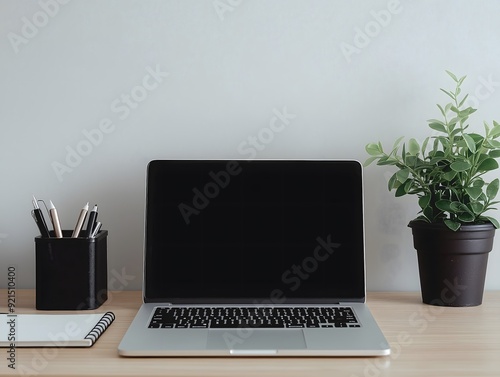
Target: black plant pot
(452, 265)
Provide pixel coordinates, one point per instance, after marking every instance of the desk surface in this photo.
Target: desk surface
(425, 341)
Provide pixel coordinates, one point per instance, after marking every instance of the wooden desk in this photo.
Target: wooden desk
(425, 341)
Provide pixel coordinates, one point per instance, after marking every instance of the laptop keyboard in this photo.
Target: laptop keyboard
(262, 317)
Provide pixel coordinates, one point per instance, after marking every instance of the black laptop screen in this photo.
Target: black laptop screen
(262, 231)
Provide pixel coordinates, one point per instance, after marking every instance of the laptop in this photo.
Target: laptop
(254, 258)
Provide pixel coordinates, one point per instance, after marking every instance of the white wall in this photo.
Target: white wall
(228, 70)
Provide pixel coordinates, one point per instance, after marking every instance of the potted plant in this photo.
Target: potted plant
(447, 172)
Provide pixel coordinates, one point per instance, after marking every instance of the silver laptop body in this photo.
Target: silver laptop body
(260, 238)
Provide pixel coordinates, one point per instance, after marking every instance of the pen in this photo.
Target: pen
(79, 222)
(39, 219)
(91, 221)
(96, 229)
(55, 220)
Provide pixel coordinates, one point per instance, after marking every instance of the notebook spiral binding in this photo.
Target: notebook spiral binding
(100, 327)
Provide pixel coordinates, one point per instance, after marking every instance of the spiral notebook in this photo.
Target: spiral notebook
(53, 330)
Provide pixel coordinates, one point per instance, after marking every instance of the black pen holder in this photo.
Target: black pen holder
(71, 273)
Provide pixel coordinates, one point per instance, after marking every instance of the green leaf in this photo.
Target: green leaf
(396, 143)
(477, 208)
(444, 142)
(402, 175)
(438, 158)
(449, 175)
(452, 76)
(400, 191)
(487, 165)
(463, 99)
(466, 217)
(471, 144)
(461, 165)
(423, 201)
(478, 139)
(490, 204)
(492, 189)
(482, 157)
(404, 188)
(412, 161)
(448, 94)
(391, 184)
(453, 225)
(437, 120)
(494, 221)
(466, 112)
(494, 143)
(413, 147)
(441, 109)
(495, 153)
(486, 128)
(369, 161)
(424, 145)
(408, 185)
(474, 192)
(435, 146)
(438, 127)
(495, 131)
(428, 212)
(453, 122)
(385, 160)
(465, 208)
(444, 205)
(478, 183)
(373, 149)
(456, 207)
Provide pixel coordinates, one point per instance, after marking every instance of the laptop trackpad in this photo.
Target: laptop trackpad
(251, 339)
